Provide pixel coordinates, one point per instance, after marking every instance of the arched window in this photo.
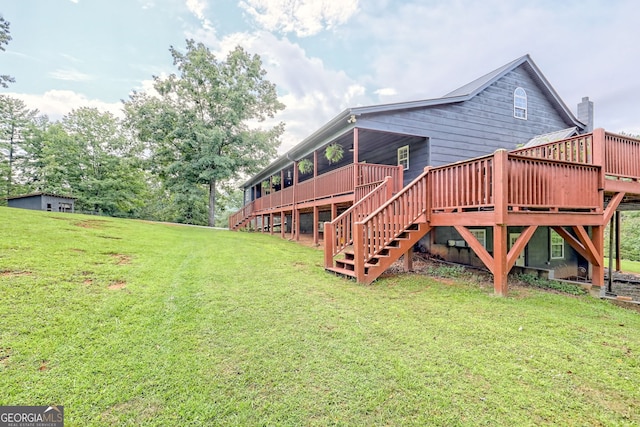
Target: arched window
(520, 104)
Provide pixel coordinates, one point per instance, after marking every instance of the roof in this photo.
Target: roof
(343, 123)
(24, 196)
(558, 135)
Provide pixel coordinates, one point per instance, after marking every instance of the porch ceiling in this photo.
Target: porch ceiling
(368, 140)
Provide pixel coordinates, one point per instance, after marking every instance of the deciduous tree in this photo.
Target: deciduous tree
(202, 128)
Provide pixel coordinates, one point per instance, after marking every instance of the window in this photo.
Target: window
(557, 246)
(403, 157)
(520, 104)
(481, 235)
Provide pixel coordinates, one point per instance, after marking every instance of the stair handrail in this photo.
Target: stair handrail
(338, 233)
(377, 235)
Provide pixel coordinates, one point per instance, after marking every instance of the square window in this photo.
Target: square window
(403, 157)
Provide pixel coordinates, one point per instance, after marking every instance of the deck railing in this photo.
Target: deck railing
(578, 149)
(463, 185)
(391, 219)
(333, 183)
(339, 232)
(551, 185)
(622, 156)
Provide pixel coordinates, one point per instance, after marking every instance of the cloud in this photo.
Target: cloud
(312, 92)
(57, 103)
(197, 7)
(70, 75)
(302, 17)
(386, 91)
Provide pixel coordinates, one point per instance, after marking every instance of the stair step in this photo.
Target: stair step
(341, 271)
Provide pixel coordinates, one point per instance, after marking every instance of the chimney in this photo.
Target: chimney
(585, 113)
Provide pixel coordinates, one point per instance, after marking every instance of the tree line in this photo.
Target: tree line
(174, 156)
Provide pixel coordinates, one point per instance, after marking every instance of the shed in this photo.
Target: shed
(42, 202)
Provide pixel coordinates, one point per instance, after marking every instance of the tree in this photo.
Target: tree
(15, 122)
(5, 37)
(101, 165)
(198, 127)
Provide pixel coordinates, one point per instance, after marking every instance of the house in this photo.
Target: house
(478, 176)
(43, 202)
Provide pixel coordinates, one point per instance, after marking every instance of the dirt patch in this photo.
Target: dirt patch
(136, 411)
(110, 237)
(43, 365)
(5, 353)
(14, 273)
(115, 286)
(91, 223)
(121, 259)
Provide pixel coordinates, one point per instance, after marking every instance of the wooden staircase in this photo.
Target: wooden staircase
(376, 231)
(382, 260)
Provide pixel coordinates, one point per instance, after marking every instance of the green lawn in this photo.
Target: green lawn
(625, 265)
(132, 323)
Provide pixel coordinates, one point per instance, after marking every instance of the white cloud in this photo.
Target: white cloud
(312, 93)
(302, 17)
(57, 103)
(386, 91)
(70, 75)
(197, 7)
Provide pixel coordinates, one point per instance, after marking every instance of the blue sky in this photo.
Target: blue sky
(326, 55)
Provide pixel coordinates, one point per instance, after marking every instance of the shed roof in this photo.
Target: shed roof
(24, 196)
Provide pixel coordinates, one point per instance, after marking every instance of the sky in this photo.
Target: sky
(325, 55)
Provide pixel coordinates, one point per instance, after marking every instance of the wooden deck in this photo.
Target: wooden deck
(574, 186)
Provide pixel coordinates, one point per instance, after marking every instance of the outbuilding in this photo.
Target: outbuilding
(42, 202)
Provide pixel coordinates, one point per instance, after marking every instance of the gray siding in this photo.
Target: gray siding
(43, 202)
(476, 127)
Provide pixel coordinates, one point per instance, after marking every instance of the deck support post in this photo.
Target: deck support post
(598, 242)
(283, 219)
(328, 245)
(271, 216)
(408, 260)
(296, 224)
(500, 272)
(316, 226)
(617, 240)
(358, 251)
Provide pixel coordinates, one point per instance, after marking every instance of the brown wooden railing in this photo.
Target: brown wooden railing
(578, 149)
(386, 223)
(339, 232)
(463, 185)
(551, 185)
(333, 183)
(622, 156)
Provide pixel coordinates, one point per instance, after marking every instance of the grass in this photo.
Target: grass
(625, 265)
(132, 323)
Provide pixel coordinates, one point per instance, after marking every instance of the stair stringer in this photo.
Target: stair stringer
(373, 270)
(243, 223)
